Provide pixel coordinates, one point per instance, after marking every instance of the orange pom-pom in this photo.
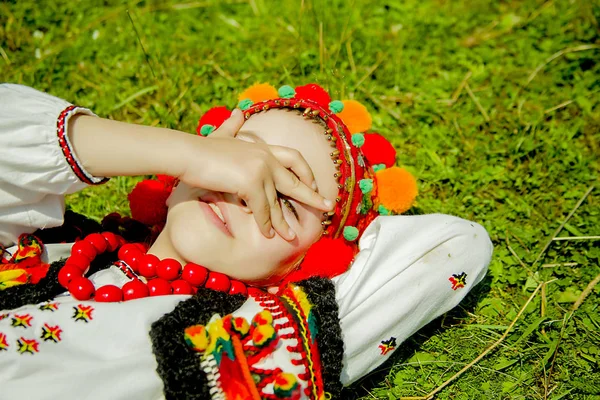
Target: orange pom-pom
(355, 116)
(326, 258)
(396, 189)
(378, 150)
(148, 200)
(259, 92)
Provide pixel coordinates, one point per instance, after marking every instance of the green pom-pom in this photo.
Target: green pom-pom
(366, 204)
(378, 167)
(358, 139)
(286, 92)
(245, 104)
(207, 129)
(336, 106)
(383, 211)
(365, 185)
(350, 233)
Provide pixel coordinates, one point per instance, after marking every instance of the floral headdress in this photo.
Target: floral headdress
(369, 184)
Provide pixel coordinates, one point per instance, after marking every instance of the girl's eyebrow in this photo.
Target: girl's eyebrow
(251, 135)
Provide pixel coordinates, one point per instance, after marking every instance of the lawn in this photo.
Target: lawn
(493, 105)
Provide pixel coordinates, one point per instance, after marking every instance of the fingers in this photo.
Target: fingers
(267, 212)
(292, 159)
(276, 213)
(289, 184)
(231, 126)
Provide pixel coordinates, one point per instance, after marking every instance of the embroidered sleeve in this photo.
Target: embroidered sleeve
(38, 166)
(65, 145)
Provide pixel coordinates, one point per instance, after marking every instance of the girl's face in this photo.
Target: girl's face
(195, 233)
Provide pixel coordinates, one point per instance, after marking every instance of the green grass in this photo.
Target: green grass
(515, 154)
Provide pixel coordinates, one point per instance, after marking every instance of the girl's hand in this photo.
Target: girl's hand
(254, 172)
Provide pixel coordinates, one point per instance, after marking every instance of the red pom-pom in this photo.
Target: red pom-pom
(326, 258)
(315, 93)
(148, 200)
(378, 150)
(215, 117)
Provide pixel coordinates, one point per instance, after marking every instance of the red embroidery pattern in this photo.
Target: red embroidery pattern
(22, 321)
(387, 345)
(3, 342)
(27, 346)
(3, 316)
(458, 280)
(83, 313)
(65, 146)
(49, 307)
(51, 333)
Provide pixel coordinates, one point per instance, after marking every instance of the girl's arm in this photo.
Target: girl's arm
(51, 148)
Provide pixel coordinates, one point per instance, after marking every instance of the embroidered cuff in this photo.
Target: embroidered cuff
(67, 149)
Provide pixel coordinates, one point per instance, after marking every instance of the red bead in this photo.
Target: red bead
(238, 287)
(67, 273)
(217, 281)
(98, 241)
(108, 294)
(143, 248)
(147, 265)
(168, 269)
(79, 261)
(159, 287)
(134, 290)
(131, 255)
(195, 274)
(85, 249)
(81, 288)
(181, 287)
(111, 240)
(126, 249)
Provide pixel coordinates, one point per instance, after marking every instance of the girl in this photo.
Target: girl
(136, 324)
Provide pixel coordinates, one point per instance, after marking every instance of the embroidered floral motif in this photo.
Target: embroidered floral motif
(3, 316)
(458, 280)
(387, 345)
(51, 333)
(27, 346)
(23, 321)
(83, 313)
(49, 307)
(3, 342)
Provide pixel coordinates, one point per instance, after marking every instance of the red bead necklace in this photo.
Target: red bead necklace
(163, 277)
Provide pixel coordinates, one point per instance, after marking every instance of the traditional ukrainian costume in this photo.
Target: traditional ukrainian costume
(327, 326)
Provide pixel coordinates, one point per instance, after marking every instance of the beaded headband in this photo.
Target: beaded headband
(369, 184)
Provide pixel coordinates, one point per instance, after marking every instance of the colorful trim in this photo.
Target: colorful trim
(321, 294)
(178, 366)
(67, 149)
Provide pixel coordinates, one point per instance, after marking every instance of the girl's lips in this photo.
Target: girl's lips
(214, 218)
